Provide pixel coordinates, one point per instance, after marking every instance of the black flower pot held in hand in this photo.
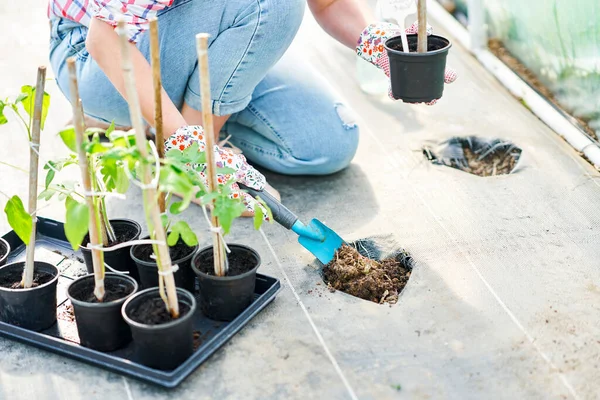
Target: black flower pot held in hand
(33, 308)
(100, 325)
(181, 255)
(224, 298)
(160, 341)
(126, 230)
(417, 77)
(4, 251)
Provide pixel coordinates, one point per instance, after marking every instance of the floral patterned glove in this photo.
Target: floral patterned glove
(224, 158)
(370, 47)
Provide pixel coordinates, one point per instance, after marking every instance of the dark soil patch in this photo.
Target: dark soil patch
(355, 274)
(497, 48)
(433, 44)
(66, 313)
(152, 311)
(496, 163)
(239, 262)
(177, 252)
(197, 340)
(12, 279)
(477, 156)
(114, 290)
(123, 232)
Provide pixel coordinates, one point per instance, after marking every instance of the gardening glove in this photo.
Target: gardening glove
(244, 173)
(370, 48)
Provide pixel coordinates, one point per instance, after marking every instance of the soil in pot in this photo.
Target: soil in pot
(239, 263)
(181, 254)
(4, 250)
(152, 311)
(160, 341)
(417, 77)
(100, 324)
(120, 260)
(12, 279)
(33, 308)
(379, 282)
(224, 298)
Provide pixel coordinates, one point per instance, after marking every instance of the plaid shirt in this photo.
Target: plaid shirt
(135, 12)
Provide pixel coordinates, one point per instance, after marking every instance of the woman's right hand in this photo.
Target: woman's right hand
(243, 173)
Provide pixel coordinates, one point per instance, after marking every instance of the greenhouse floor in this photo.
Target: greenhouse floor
(503, 302)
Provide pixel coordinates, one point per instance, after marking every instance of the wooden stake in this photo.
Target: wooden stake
(153, 220)
(422, 18)
(220, 256)
(158, 121)
(86, 179)
(33, 173)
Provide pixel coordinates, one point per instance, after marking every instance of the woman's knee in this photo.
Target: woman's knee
(280, 20)
(333, 145)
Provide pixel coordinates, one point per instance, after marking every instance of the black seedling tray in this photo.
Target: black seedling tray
(62, 338)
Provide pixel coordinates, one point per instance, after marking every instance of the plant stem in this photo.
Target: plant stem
(158, 120)
(33, 174)
(15, 167)
(153, 220)
(84, 165)
(422, 18)
(219, 255)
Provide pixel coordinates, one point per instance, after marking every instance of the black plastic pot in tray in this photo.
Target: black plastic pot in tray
(62, 338)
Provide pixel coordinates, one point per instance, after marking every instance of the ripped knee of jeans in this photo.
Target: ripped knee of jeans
(346, 115)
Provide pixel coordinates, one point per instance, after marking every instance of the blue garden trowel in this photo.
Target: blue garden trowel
(316, 237)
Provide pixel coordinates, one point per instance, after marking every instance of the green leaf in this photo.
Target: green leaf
(225, 171)
(19, 219)
(182, 230)
(175, 181)
(28, 99)
(190, 155)
(51, 173)
(68, 137)
(76, 222)
(46, 194)
(121, 181)
(110, 129)
(258, 217)
(173, 238)
(3, 119)
(175, 207)
(164, 219)
(227, 210)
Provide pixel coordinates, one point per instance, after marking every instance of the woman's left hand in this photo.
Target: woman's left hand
(370, 47)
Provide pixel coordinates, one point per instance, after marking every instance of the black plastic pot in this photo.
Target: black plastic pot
(148, 271)
(417, 77)
(120, 259)
(100, 325)
(33, 308)
(224, 298)
(163, 346)
(4, 250)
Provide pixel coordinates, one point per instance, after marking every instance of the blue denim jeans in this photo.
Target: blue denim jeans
(284, 116)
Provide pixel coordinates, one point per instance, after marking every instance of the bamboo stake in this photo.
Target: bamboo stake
(220, 257)
(158, 120)
(86, 179)
(36, 127)
(422, 18)
(153, 220)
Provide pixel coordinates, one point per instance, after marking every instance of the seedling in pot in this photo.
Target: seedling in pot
(227, 282)
(418, 73)
(28, 289)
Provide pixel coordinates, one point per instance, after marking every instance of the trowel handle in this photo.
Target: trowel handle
(281, 214)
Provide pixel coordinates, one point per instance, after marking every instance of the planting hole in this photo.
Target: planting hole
(477, 156)
(373, 269)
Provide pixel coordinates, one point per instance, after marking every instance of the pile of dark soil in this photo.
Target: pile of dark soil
(355, 274)
(113, 290)
(475, 155)
(496, 163)
(13, 280)
(152, 311)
